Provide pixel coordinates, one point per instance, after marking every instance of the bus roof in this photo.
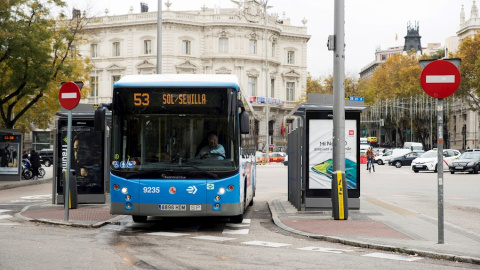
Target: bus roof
(178, 80)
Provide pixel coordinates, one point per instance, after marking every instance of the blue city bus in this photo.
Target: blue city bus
(160, 125)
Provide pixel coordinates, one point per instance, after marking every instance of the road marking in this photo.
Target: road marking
(242, 231)
(328, 250)
(4, 210)
(9, 224)
(37, 197)
(393, 257)
(171, 234)
(5, 216)
(232, 226)
(214, 238)
(265, 244)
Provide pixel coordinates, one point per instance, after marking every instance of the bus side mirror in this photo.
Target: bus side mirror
(244, 123)
(100, 119)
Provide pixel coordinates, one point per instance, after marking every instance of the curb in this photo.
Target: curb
(65, 223)
(23, 183)
(413, 252)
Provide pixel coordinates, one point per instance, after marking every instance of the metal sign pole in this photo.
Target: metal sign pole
(66, 190)
(440, 170)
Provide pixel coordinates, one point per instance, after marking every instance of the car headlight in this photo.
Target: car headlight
(471, 163)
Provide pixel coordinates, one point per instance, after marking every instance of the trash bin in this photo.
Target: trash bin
(72, 187)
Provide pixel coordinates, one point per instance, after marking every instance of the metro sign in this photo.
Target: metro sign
(440, 79)
(69, 95)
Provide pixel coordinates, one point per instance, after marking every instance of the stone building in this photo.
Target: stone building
(463, 122)
(207, 41)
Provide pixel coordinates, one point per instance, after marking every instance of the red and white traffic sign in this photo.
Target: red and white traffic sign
(440, 79)
(69, 95)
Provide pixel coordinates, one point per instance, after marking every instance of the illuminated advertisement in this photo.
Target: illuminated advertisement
(86, 156)
(9, 155)
(320, 162)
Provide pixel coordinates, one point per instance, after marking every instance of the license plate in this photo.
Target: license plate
(459, 167)
(195, 207)
(418, 166)
(172, 207)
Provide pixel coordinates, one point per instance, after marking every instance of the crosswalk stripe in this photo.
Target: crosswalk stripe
(392, 257)
(213, 238)
(242, 231)
(9, 224)
(5, 216)
(4, 210)
(171, 234)
(265, 244)
(328, 250)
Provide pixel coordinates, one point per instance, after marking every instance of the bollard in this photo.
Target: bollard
(339, 196)
(73, 193)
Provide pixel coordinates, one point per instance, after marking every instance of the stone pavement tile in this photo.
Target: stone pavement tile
(343, 228)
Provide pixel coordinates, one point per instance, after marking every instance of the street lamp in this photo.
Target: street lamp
(264, 4)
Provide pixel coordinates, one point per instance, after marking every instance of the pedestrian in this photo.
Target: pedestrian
(35, 162)
(370, 159)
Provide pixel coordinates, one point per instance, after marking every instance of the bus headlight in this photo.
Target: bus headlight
(128, 197)
(116, 186)
(217, 198)
(124, 190)
(221, 191)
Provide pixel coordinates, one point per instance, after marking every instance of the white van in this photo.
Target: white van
(389, 154)
(364, 145)
(413, 146)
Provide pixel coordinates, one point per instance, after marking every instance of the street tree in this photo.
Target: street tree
(395, 87)
(469, 53)
(37, 53)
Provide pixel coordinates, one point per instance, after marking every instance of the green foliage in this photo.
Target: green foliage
(469, 53)
(398, 77)
(35, 56)
(321, 85)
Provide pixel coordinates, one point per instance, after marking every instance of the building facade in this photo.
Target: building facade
(207, 41)
(464, 124)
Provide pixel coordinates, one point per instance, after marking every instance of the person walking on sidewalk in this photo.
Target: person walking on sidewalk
(35, 160)
(370, 159)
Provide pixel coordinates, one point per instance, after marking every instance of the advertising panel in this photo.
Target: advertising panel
(86, 156)
(320, 159)
(9, 155)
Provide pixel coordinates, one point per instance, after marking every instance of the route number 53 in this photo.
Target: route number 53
(141, 99)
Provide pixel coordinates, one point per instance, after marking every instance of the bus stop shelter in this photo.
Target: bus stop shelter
(310, 150)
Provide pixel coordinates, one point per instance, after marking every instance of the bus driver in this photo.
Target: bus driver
(213, 150)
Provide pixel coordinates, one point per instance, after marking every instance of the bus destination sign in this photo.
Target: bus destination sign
(146, 99)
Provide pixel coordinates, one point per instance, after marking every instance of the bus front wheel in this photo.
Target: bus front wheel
(139, 218)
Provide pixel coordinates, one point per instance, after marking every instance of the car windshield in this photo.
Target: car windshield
(470, 155)
(429, 154)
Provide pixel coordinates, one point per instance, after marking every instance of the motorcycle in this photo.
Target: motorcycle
(27, 171)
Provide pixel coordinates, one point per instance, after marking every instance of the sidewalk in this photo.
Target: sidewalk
(376, 225)
(86, 215)
(382, 226)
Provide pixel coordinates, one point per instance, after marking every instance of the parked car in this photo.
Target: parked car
(403, 160)
(276, 157)
(428, 160)
(467, 162)
(389, 154)
(46, 157)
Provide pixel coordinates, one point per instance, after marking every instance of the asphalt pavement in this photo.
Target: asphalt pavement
(377, 225)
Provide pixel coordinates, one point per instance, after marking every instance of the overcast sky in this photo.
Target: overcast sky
(368, 23)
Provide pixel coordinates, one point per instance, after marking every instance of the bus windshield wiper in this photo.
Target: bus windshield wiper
(202, 170)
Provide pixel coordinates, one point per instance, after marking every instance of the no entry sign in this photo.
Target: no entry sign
(440, 79)
(69, 95)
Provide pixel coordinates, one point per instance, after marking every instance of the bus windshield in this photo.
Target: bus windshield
(161, 133)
